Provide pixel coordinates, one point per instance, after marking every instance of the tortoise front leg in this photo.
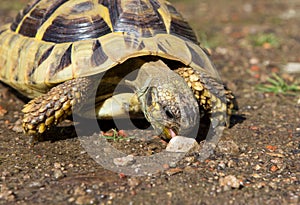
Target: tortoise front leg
(51, 108)
(211, 95)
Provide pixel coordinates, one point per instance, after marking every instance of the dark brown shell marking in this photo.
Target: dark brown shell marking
(62, 21)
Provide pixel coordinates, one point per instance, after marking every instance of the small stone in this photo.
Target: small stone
(170, 194)
(172, 164)
(190, 159)
(35, 184)
(273, 168)
(72, 199)
(57, 165)
(257, 167)
(293, 198)
(84, 200)
(259, 185)
(17, 128)
(79, 191)
(275, 154)
(166, 166)
(122, 175)
(124, 161)
(221, 50)
(292, 67)
(256, 176)
(288, 14)
(228, 147)
(182, 144)
(253, 61)
(273, 185)
(173, 171)
(229, 181)
(2, 111)
(6, 194)
(89, 191)
(95, 186)
(231, 163)
(221, 165)
(58, 174)
(248, 7)
(189, 170)
(133, 182)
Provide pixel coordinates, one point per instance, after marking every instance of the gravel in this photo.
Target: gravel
(256, 162)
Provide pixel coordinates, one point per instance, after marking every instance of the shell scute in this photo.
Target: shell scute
(22, 13)
(98, 56)
(136, 17)
(36, 15)
(71, 30)
(44, 55)
(58, 40)
(64, 62)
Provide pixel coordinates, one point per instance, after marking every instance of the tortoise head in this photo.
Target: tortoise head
(166, 100)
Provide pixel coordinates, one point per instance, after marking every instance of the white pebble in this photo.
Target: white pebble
(181, 144)
(124, 161)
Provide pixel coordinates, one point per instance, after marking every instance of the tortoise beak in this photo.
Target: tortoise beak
(169, 133)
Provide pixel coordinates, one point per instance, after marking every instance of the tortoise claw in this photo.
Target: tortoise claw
(53, 107)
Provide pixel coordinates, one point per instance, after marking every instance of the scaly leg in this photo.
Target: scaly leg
(212, 96)
(49, 109)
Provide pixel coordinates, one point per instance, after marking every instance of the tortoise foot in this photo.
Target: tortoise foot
(53, 107)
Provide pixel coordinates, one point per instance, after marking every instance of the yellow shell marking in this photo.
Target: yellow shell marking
(98, 9)
(165, 14)
(21, 23)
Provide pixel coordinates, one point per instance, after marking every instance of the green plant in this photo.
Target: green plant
(277, 85)
(116, 136)
(265, 38)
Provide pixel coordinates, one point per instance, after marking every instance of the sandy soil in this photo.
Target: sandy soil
(258, 158)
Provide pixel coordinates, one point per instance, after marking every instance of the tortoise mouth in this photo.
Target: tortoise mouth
(169, 133)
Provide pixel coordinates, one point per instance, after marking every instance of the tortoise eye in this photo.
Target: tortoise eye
(149, 97)
(169, 113)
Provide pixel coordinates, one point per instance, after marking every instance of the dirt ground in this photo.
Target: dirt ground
(258, 158)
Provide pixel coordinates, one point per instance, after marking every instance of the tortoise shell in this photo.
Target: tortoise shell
(52, 41)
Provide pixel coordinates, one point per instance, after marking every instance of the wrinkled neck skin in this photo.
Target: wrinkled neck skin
(158, 75)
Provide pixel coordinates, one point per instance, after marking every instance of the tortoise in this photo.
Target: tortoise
(56, 51)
